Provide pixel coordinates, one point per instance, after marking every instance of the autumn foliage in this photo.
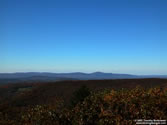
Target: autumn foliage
(104, 106)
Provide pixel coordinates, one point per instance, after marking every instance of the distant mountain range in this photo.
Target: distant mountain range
(46, 76)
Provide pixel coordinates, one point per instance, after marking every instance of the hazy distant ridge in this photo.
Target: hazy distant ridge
(75, 75)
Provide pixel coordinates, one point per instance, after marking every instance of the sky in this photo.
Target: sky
(117, 36)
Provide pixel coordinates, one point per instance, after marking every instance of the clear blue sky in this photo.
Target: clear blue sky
(119, 36)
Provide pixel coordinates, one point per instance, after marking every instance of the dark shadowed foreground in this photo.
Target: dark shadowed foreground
(83, 102)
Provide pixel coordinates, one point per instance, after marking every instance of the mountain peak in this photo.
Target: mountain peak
(98, 72)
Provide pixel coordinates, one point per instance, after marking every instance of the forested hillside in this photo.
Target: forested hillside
(83, 102)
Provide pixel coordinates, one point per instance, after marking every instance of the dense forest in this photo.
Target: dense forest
(83, 102)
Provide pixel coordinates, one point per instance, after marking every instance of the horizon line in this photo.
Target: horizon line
(85, 73)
